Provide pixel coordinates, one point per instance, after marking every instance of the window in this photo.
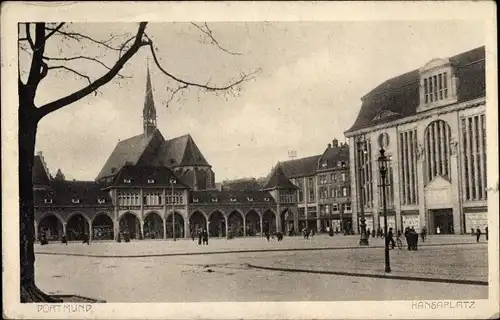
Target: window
(196, 200)
(151, 181)
(232, 199)
(177, 197)
(347, 207)
(250, 198)
(324, 164)
(101, 200)
(286, 197)
(323, 179)
(126, 180)
(408, 154)
(437, 150)
(333, 177)
(335, 207)
(311, 189)
(48, 200)
(75, 201)
(342, 177)
(474, 157)
(152, 199)
(215, 200)
(323, 193)
(436, 87)
(266, 199)
(344, 192)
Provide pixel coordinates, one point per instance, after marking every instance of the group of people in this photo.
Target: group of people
(202, 235)
(478, 233)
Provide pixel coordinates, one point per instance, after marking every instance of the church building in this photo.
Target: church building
(152, 187)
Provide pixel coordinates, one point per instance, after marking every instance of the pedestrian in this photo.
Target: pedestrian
(478, 234)
(368, 233)
(423, 233)
(438, 230)
(486, 232)
(205, 237)
(200, 235)
(373, 233)
(192, 235)
(86, 239)
(390, 239)
(63, 240)
(267, 235)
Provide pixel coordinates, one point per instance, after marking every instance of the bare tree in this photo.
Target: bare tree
(34, 39)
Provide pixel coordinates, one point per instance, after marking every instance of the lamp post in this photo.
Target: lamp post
(382, 163)
(172, 182)
(363, 240)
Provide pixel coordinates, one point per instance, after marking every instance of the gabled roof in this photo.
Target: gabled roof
(278, 180)
(225, 196)
(303, 167)
(180, 151)
(63, 192)
(140, 176)
(39, 174)
(127, 151)
(332, 156)
(399, 97)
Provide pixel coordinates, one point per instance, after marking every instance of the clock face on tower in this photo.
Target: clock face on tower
(383, 140)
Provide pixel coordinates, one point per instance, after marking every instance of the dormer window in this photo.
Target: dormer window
(324, 164)
(232, 199)
(266, 199)
(196, 200)
(250, 198)
(75, 200)
(151, 181)
(126, 180)
(215, 200)
(48, 201)
(101, 200)
(437, 83)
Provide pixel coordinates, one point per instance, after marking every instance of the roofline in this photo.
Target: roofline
(424, 114)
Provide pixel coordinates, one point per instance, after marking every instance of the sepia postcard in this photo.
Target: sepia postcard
(250, 160)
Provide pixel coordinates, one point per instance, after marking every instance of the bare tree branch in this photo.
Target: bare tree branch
(244, 77)
(54, 30)
(181, 87)
(28, 36)
(71, 70)
(78, 36)
(84, 58)
(208, 33)
(124, 44)
(75, 96)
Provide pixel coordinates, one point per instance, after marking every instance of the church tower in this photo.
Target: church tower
(149, 111)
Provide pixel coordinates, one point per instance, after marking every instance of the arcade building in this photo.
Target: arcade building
(152, 187)
(432, 124)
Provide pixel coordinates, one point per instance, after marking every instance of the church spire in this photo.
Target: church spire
(149, 111)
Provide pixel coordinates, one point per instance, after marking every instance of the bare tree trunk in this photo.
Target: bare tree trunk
(27, 134)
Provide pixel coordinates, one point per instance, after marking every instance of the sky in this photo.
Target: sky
(308, 92)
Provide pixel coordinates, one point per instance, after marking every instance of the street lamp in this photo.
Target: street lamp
(172, 182)
(382, 167)
(361, 146)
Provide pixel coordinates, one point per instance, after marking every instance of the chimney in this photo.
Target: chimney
(335, 143)
(329, 145)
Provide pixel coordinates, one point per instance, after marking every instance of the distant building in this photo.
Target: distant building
(432, 123)
(151, 187)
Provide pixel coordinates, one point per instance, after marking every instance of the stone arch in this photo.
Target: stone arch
(51, 226)
(179, 225)
(217, 224)
(77, 225)
(102, 226)
(287, 219)
(153, 225)
(130, 225)
(197, 220)
(269, 221)
(235, 222)
(252, 222)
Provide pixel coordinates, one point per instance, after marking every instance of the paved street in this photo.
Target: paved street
(227, 276)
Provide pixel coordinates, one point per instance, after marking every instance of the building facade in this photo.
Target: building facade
(431, 123)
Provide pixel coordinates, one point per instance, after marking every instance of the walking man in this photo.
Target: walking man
(390, 239)
(478, 234)
(486, 232)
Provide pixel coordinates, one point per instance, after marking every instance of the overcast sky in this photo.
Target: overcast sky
(308, 92)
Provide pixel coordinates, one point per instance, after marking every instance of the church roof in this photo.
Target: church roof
(39, 174)
(278, 180)
(180, 151)
(399, 97)
(62, 192)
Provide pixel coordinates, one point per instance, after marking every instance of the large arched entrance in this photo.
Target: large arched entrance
(287, 222)
(235, 223)
(76, 227)
(268, 221)
(153, 226)
(102, 227)
(197, 221)
(179, 226)
(217, 224)
(130, 224)
(252, 221)
(51, 227)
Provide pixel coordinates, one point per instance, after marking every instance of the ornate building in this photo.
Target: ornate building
(151, 187)
(431, 122)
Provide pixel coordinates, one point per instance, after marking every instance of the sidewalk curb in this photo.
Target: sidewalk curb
(234, 251)
(369, 275)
